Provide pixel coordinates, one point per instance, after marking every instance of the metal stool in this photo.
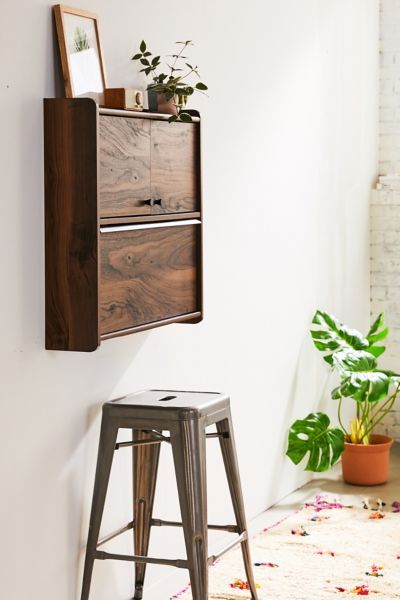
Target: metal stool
(185, 415)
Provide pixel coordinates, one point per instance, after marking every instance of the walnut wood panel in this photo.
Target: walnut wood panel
(174, 166)
(147, 275)
(124, 158)
(195, 317)
(149, 218)
(71, 224)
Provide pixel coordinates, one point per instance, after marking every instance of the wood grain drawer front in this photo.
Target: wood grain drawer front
(124, 163)
(175, 166)
(147, 274)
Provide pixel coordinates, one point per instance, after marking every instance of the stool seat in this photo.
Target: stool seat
(171, 404)
(185, 415)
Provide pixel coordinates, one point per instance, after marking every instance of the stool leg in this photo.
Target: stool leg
(145, 467)
(189, 451)
(228, 450)
(108, 437)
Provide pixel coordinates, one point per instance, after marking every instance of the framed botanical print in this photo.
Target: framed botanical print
(80, 52)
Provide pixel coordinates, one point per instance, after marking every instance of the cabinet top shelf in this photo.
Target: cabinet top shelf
(118, 112)
(138, 114)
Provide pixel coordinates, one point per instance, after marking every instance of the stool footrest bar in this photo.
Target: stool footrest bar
(115, 533)
(223, 434)
(139, 443)
(180, 564)
(241, 538)
(163, 523)
(157, 439)
(161, 438)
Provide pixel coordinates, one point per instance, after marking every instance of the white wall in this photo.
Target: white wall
(389, 79)
(289, 159)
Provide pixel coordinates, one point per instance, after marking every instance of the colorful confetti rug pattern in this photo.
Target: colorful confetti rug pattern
(347, 551)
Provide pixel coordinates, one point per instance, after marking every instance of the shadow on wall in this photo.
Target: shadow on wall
(32, 198)
(310, 382)
(60, 394)
(64, 461)
(69, 385)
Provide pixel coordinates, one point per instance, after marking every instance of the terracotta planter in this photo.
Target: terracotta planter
(367, 465)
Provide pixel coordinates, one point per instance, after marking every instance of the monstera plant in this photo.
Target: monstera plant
(372, 389)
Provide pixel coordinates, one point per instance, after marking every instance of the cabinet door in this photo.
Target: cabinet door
(147, 274)
(175, 166)
(124, 165)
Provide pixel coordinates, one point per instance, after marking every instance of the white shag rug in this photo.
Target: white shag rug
(325, 550)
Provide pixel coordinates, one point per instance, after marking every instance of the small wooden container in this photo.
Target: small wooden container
(124, 99)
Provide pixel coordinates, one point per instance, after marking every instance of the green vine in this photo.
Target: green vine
(173, 84)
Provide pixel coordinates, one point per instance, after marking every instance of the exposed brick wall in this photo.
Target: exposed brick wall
(385, 283)
(385, 266)
(385, 204)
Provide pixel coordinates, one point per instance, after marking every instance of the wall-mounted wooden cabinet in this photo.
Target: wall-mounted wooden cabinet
(147, 159)
(123, 223)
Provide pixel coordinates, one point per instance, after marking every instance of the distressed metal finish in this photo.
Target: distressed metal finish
(185, 415)
(145, 467)
(163, 523)
(228, 450)
(239, 540)
(114, 534)
(180, 564)
(160, 438)
(189, 451)
(108, 437)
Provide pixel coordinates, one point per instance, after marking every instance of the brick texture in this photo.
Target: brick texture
(385, 204)
(385, 283)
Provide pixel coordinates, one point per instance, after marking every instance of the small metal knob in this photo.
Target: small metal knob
(153, 202)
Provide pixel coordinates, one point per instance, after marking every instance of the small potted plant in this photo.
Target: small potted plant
(365, 455)
(169, 92)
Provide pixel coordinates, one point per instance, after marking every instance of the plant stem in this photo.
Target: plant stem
(375, 423)
(387, 401)
(178, 56)
(365, 419)
(340, 418)
(383, 410)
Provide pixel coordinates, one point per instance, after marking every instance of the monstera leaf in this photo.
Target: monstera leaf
(313, 434)
(377, 333)
(333, 336)
(361, 379)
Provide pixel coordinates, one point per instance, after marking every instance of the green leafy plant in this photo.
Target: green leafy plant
(81, 40)
(173, 84)
(374, 390)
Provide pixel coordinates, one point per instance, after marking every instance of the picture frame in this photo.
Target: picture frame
(80, 52)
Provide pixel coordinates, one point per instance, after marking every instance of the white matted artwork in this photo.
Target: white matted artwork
(80, 51)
